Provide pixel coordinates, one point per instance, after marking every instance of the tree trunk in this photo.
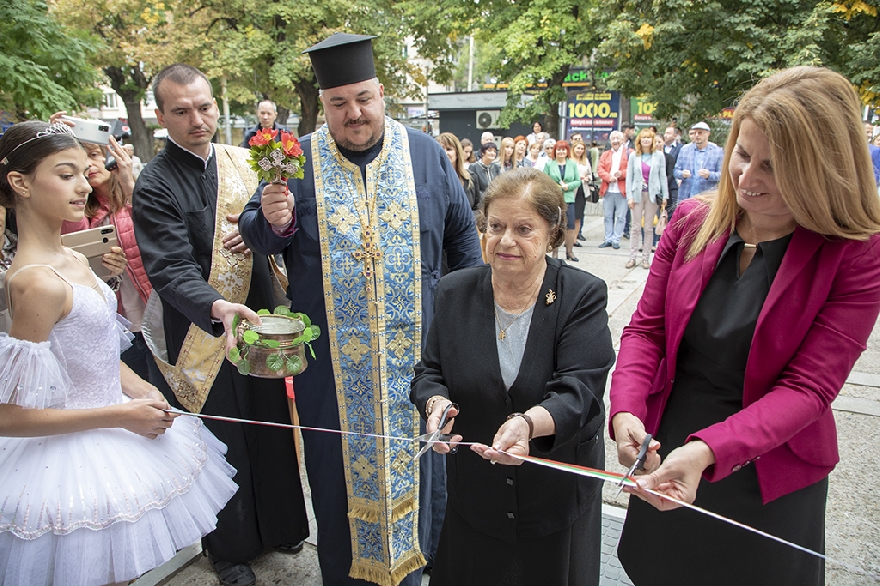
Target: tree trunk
(307, 90)
(555, 93)
(141, 137)
(131, 84)
(283, 115)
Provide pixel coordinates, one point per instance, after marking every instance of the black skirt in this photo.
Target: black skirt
(469, 557)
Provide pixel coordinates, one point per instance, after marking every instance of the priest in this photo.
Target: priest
(363, 237)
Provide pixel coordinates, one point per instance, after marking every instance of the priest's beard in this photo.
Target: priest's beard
(345, 138)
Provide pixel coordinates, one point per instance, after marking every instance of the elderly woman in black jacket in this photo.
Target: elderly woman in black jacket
(522, 346)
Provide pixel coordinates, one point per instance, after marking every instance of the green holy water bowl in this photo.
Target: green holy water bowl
(270, 351)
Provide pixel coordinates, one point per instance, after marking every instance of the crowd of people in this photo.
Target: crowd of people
(430, 267)
(644, 188)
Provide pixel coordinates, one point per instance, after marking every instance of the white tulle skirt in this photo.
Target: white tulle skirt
(106, 505)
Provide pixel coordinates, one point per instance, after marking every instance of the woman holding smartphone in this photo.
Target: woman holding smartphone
(109, 203)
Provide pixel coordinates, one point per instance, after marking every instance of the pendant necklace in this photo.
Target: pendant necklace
(502, 330)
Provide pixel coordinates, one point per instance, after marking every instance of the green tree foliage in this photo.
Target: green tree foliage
(140, 38)
(694, 58)
(484, 54)
(257, 47)
(537, 44)
(43, 64)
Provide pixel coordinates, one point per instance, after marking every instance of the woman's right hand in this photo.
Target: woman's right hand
(629, 431)
(115, 261)
(56, 117)
(434, 420)
(145, 417)
(123, 171)
(632, 204)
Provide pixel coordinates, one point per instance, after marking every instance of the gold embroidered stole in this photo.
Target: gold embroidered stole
(371, 254)
(201, 354)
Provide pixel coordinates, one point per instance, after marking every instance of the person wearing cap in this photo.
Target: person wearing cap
(698, 166)
(267, 113)
(363, 236)
(185, 206)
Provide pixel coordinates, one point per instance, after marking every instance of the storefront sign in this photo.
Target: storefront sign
(594, 115)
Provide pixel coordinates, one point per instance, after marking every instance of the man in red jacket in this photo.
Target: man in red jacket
(612, 172)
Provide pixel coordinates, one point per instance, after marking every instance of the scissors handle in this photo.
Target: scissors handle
(437, 435)
(444, 416)
(639, 464)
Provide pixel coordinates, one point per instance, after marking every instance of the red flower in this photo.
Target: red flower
(263, 137)
(290, 145)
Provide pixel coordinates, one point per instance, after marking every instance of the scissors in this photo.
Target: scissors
(437, 436)
(639, 464)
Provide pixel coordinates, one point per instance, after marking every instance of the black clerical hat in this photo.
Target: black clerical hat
(342, 59)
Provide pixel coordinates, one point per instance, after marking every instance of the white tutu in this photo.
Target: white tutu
(22, 384)
(104, 505)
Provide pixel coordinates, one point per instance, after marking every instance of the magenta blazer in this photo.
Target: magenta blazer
(814, 324)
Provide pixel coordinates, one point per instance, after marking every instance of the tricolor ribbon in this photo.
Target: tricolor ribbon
(603, 475)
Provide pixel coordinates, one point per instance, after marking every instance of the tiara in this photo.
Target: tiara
(52, 129)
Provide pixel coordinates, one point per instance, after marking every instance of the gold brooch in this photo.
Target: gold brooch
(551, 297)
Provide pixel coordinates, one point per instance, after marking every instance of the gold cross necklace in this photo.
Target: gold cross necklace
(502, 330)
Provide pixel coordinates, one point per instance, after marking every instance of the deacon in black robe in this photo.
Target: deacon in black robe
(174, 206)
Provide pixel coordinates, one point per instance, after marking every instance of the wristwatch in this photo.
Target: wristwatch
(528, 420)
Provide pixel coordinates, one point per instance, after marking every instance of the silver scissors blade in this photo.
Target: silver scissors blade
(436, 436)
(639, 464)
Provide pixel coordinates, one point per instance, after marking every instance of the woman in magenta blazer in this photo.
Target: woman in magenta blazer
(760, 299)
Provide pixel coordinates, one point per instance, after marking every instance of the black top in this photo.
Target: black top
(717, 340)
(173, 209)
(362, 158)
(483, 176)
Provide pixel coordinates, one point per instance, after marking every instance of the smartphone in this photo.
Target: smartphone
(93, 244)
(110, 162)
(96, 131)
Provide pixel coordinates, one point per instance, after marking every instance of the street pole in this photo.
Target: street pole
(593, 94)
(471, 63)
(227, 122)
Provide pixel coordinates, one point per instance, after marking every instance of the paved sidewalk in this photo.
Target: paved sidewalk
(853, 517)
